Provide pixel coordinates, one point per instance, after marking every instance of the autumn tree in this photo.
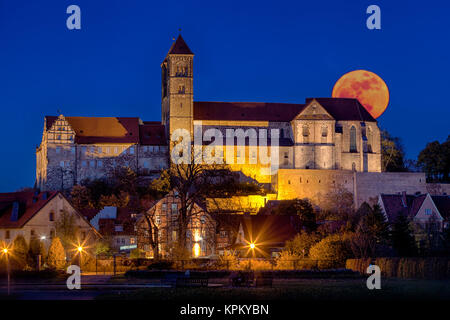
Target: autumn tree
(299, 246)
(20, 250)
(56, 255)
(36, 248)
(66, 229)
(392, 153)
(80, 197)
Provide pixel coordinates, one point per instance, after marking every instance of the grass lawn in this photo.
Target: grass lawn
(301, 289)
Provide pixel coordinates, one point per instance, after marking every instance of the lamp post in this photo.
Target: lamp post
(80, 252)
(6, 252)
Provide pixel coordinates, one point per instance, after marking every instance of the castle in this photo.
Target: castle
(322, 144)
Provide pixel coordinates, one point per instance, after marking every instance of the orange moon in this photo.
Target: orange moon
(371, 91)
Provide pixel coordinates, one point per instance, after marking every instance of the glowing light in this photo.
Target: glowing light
(5, 250)
(80, 248)
(196, 250)
(252, 246)
(43, 238)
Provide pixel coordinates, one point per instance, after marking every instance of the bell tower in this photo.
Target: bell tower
(177, 88)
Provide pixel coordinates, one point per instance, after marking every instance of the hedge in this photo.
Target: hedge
(405, 268)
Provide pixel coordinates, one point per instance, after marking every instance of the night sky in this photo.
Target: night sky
(268, 51)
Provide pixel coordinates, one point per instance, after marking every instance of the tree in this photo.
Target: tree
(56, 258)
(150, 231)
(192, 183)
(80, 197)
(66, 229)
(392, 153)
(20, 251)
(434, 159)
(372, 231)
(331, 251)
(36, 249)
(337, 204)
(303, 209)
(302, 243)
(401, 236)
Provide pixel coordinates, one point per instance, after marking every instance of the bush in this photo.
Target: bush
(19, 253)
(56, 258)
(359, 265)
(228, 261)
(255, 264)
(285, 260)
(330, 252)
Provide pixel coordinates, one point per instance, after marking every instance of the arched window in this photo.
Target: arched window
(324, 134)
(353, 139)
(369, 140)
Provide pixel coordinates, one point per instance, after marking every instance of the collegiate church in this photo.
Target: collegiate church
(322, 143)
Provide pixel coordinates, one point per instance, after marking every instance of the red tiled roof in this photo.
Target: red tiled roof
(29, 205)
(90, 130)
(246, 111)
(339, 108)
(102, 129)
(152, 133)
(179, 47)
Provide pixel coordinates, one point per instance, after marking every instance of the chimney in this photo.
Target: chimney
(404, 199)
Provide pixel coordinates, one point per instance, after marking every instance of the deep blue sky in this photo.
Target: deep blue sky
(272, 51)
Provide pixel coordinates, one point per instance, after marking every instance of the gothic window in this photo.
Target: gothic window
(305, 134)
(369, 140)
(353, 139)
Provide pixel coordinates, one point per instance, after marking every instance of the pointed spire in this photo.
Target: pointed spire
(179, 47)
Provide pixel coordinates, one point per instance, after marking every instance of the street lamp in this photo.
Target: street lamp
(80, 252)
(6, 252)
(252, 246)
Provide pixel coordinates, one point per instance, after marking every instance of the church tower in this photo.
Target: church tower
(177, 88)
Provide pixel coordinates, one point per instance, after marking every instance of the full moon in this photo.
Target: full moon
(371, 91)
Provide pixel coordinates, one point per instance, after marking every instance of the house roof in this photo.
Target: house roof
(123, 218)
(397, 204)
(179, 47)
(443, 205)
(28, 203)
(339, 108)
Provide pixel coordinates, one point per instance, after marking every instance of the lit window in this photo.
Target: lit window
(174, 208)
(92, 164)
(132, 240)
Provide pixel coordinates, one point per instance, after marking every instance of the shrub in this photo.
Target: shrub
(20, 253)
(228, 261)
(56, 255)
(330, 252)
(255, 264)
(359, 265)
(286, 260)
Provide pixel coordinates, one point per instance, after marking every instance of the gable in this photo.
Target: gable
(428, 204)
(314, 111)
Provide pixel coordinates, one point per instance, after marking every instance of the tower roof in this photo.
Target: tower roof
(179, 47)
